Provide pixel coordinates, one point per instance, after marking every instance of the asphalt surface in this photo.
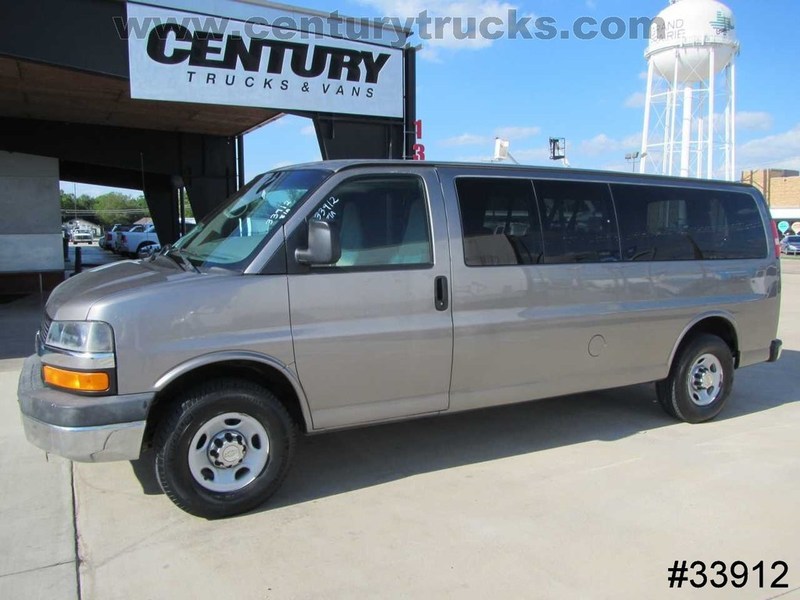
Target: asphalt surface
(590, 496)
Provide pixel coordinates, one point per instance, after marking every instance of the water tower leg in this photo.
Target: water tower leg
(701, 132)
(732, 96)
(673, 119)
(727, 145)
(712, 72)
(686, 134)
(647, 108)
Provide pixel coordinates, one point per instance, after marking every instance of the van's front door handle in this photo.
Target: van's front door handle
(441, 294)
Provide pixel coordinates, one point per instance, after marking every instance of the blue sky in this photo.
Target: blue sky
(587, 91)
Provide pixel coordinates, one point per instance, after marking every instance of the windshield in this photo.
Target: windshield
(793, 239)
(232, 235)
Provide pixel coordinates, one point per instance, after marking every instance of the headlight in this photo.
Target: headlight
(81, 336)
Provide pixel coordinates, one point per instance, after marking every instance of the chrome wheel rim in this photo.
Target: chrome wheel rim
(705, 380)
(228, 452)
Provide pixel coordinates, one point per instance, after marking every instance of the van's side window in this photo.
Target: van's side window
(499, 222)
(659, 223)
(578, 222)
(382, 221)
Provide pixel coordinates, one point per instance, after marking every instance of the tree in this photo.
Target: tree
(68, 204)
(114, 207)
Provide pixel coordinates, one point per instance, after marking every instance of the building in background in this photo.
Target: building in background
(781, 188)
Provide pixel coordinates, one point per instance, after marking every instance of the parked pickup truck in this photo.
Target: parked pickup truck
(82, 236)
(133, 243)
(107, 239)
(137, 238)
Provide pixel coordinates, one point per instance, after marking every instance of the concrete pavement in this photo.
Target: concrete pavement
(37, 530)
(588, 496)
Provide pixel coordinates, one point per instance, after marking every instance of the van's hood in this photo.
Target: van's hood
(72, 300)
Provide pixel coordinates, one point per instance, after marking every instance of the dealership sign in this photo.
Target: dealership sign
(173, 58)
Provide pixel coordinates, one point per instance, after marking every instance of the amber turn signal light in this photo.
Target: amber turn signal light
(73, 380)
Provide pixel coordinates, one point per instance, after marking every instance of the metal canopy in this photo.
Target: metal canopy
(35, 91)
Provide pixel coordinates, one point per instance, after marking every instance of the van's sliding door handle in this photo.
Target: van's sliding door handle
(441, 294)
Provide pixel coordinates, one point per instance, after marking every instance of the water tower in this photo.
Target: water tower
(690, 106)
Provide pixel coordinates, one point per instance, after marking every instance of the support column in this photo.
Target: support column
(209, 172)
(162, 200)
(31, 250)
(410, 101)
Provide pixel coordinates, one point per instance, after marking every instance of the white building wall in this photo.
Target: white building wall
(30, 214)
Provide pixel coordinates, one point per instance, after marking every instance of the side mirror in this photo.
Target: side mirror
(323, 245)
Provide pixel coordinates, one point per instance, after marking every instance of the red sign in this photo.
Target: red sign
(419, 149)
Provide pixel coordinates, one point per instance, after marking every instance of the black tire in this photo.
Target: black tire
(139, 248)
(674, 392)
(196, 409)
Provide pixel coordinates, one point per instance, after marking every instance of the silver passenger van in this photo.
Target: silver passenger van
(339, 294)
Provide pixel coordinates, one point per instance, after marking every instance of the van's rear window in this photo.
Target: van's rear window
(660, 223)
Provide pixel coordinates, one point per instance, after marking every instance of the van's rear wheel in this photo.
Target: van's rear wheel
(224, 448)
(700, 380)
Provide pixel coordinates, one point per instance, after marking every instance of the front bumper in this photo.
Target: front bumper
(81, 428)
(121, 441)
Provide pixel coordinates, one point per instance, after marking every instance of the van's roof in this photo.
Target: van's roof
(587, 174)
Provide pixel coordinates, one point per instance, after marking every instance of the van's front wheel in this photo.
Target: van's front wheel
(700, 380)
(224, 448)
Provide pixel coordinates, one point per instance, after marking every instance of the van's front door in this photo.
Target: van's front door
(373, 334)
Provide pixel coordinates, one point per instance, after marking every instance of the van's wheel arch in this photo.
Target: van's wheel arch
(700, 379)
(223, 448)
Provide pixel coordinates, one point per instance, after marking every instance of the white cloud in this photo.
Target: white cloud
(445, 38)
(754, 121)
(517, 133)
(526, 156)
(599, 144)
(540, 156)
(511, 133)
(635, 100)
(474, 158)
(643, 75)
(602, 144)
(308, 130)
(466, 139)
(774, 151)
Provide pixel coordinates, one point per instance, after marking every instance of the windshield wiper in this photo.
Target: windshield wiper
(177, 254)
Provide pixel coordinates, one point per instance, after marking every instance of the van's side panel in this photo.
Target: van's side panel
(529, 332)
(662, 301)
(524, 332)
(198, 316)
(758, 324)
